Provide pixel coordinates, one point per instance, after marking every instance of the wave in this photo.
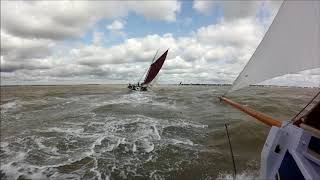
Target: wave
(110, 133)
(13, 106)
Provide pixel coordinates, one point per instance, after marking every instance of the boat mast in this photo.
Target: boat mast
(154, 57)
(149, 66)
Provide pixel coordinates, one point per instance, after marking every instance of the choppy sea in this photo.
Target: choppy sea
(109, 132)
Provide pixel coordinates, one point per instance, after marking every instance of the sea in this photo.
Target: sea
(108, 132)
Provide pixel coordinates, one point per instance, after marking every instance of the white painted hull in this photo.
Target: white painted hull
(289, 153)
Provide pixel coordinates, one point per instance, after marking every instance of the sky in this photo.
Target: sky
(81, 42)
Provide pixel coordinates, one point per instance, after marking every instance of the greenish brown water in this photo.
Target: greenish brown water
(107, 132)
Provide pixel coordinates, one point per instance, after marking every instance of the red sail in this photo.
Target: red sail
(155, 68)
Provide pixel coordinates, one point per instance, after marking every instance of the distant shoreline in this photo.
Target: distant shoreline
(250, 85)
(187, 84)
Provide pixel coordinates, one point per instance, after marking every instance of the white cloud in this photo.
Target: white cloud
(59, 20)
(177, 63)
(30, 30)
(116, 25)
(245, 32)
(116, 28)
(204, 7)
(204, 56)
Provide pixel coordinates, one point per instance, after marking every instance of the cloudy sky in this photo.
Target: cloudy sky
(73, 42)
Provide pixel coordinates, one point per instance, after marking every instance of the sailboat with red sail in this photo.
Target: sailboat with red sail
(151, 75)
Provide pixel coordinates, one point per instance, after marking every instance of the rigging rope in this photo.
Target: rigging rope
(231, 152)
(305, 106)
(143, 74)
(294, 120)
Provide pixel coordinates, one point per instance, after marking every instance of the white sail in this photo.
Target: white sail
(291, 44)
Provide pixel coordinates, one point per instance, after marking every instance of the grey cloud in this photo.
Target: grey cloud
(48, 32)
(14, 66)
(231, 9)
(237, 9)
(78, 71)
(20, 53)
(164, 10)
(15, 48)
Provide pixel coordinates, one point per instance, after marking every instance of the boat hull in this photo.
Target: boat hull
(290, 152)
(138, 88)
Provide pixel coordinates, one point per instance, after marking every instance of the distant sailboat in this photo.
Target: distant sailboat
(152, 73)
(292, 44)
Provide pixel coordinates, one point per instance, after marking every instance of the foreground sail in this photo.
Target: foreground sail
(152, 73)
(291, 44)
